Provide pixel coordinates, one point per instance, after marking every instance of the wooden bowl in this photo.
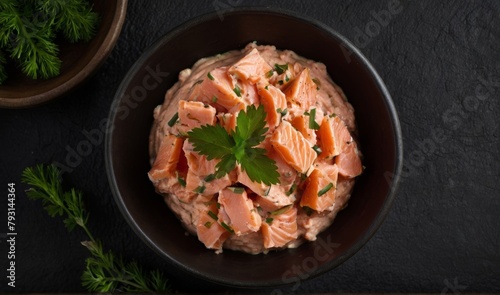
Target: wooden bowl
(79, 62)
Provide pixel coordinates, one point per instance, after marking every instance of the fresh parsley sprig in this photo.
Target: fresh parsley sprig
(238, 146)
(104, 272)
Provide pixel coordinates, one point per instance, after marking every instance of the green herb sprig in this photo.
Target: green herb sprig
(28, 30)
(3, 72)
(238, 146)
(104, 272)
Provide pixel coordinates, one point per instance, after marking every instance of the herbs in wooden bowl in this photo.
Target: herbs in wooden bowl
(49, 47)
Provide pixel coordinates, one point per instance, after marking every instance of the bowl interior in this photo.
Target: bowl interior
(79, 61)
(131, 118)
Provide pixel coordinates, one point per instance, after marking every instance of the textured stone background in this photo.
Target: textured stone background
(443, 232)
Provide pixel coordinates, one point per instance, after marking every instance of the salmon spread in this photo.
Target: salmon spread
(309, 137)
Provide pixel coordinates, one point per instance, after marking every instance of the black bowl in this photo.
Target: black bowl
(156, 71)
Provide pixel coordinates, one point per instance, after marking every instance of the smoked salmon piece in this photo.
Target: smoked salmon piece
(240, 210)
(256, 187)
(193, 114)
(333, 137)
(247, 92)
(217, 88)
(200, 177)
(320, 188)
(349, 162)
(167, 158)
(208, 229)
(301, 123)
(291, 145)
(251, 67)
(302, 90)
(274, 102)
(288, 174)
(228, 121)
(280, 229)
(274, 200)
(269, 198)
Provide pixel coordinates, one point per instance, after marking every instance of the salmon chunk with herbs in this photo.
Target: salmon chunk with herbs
(240, 210)
(167, 158)
(251, 67)
(320, 188)
(208, 228)
(333, 137)
(292, 146)
(302, 90)
(280, 229)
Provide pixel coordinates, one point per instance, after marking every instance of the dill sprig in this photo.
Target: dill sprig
(28, 30)
(3, 72)
(104, 272)
(74, 18)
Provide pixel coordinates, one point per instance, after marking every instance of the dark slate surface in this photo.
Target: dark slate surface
(441, 62)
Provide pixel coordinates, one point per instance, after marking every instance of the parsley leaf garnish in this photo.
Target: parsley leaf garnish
(211, 141)
(238, 146)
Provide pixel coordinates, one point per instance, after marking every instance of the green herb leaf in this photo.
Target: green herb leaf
(236, 190)
(227, 227)
(312, 120)
(281, 210)
(267, 191)
(181, 181)
(280, 69)
(173, 120)
(259, 167)
(226, 165)
(200, 189)
(250, 126)
(308, 210)
(325, 189)
(269, 74)
(210, 76)
(29, 29)
(213, 215)
(317, 82)
(237, 90)
(209, 177)
(282, 112)
(74, 18)
(269, 220)
(292, 189)
(3, 71)
(211, 141)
